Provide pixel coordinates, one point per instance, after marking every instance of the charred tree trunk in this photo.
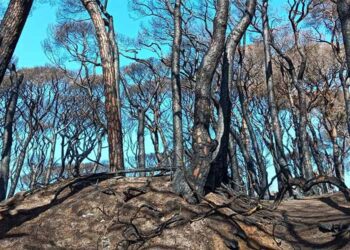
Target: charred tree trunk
(51, 159)
(141, 155)
(236, 175)
(275, 123)
(19, 164)
(178, 153)
(203, 146)
(343, 7)
(259, 185)
(219, 167)
(7, 136)
(110, 66)
(304, 151)
(10, 30)
(98, 154)
(318, 157)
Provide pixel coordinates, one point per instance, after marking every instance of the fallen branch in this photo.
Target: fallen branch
(306, 185)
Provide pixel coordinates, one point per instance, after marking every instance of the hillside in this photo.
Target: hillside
(105, 212)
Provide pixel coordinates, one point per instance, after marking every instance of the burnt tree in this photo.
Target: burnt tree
(203, 145)
(103, 23)
(7, 139)
(343, 8)
(219, 168)
(10, 30)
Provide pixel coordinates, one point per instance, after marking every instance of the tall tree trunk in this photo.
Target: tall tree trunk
(343, 7)
(252, 135)
(141, 155)
(276, 126)
(7, 136)
(10, 30)
(236, 175)
(317, 156)
(304, 150)
(252, 178)
(51, 159)
(98, 154)
(338, 166)
(110, 67)
(178, 151)
(19, 163)
(203, 146)
(219, 167)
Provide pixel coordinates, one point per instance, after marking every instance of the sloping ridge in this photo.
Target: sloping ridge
(105, 212)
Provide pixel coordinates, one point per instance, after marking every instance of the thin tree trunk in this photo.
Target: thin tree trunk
(19, 164)
(257, 151)
(10, 30)
(276, 126)
(110, 67)
(51, 159)
(178, 152)
(252, 177)
(338, 166)
(236, 175)
(7, 139)
(98, 154)
(141, 155)
(315, 151)
(343, 7)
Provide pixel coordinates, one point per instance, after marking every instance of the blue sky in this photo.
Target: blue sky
(29, 51)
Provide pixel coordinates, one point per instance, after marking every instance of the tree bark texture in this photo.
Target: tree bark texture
(10, 30)
(110, 66)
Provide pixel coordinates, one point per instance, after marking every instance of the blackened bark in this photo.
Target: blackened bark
(98, 154)
(7, 136)
(275, 123)
(250, 166)
(203, 146)
(261, 185)
(51, 159)
(219, 167)
(338, 166)
(236, 175)
(110, 66)
(178, 153)
(343, 7)
(10, 30)
(318, 157)
(141, 155)
(300, 118)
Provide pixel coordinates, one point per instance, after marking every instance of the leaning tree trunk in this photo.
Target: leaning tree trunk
(7, 136)
(110, 66)
(10, 30)
(203, 146)
(343, 7)
(219, 167)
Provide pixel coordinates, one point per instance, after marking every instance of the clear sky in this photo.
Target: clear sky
(29, 50)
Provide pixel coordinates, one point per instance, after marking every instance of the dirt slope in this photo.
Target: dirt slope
(101, 212)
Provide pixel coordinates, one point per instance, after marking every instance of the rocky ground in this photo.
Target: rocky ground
(104, 212)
